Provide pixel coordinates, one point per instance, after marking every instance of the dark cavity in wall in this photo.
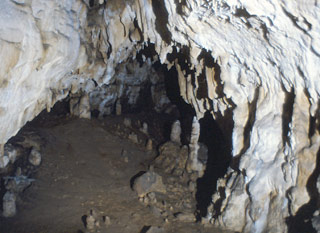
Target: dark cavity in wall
(218, 141)
(216, 135)
(219, 157)
(180, 4)
(287, 111)
(91, 3)
(185, 111)
(159, 9)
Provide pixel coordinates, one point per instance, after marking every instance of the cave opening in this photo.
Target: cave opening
(89, 167)
(218, 160)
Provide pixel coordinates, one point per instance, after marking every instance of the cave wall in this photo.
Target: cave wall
(260, 62)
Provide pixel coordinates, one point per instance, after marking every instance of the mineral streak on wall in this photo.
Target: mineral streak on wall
(265, 70)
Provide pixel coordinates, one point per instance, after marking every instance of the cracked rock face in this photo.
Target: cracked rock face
(252, 64)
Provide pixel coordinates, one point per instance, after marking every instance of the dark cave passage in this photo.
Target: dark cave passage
(215, 135)
(219, 157)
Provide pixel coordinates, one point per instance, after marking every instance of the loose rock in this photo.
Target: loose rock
(155, 230)
(35, 157)
(149, 182)
(107, 220)
(92, 221)
(185, 217)
(9, 205)
(144, 128)
(172, 158)
(149, 145)
(12, 152)
(127, 122)
(133, 138)
(316, 221)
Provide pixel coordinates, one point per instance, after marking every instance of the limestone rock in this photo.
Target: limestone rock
(175, 135)
(80, 106)
(17, 184)
(148, 182)
(13, 152)
(185, 217)
(92, 221)
(316, 222)
(194, 164)
(107, 220)
(172, 158)
(144, 128)
(4, 161)
(264, 95)
(149, 146)
(154, 229)
(133, 138)
(118, 108)
(9, 204)
(35, 157)
(127, 122)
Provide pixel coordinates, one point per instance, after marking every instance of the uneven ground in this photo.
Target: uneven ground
(85, 166)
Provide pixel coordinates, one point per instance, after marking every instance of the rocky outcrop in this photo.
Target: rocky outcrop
(251, 64)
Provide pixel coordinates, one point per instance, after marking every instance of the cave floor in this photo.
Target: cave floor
(83, 168)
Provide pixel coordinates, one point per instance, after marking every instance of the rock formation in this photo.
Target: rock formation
(252, 64)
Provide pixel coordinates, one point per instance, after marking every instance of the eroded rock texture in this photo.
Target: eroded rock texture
(252, 64)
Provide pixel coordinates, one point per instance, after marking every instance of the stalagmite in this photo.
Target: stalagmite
(193, 163)
(175, 135)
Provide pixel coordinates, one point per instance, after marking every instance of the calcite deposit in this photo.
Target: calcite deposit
(252, 64)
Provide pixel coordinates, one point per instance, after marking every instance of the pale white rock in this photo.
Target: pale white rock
(175, 135)
(4, 161)
(84, 107)
(11, 152)
(193, 163)
(35, 157)
(40, 53)
(80, 106)
(107, 220)
(144, 128)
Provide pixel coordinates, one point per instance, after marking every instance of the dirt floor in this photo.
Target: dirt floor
(87, 166)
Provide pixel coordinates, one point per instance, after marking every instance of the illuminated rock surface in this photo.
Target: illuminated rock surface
(254, 65)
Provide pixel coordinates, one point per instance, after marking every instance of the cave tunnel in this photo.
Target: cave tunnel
(93, 175)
